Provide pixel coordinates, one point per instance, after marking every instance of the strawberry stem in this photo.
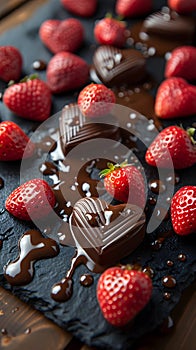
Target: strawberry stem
(11, 82)
(29, 77)
(117, 18)
(112, 167)
(108, 15)
(192, 132)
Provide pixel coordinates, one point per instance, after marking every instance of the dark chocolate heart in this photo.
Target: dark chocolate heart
(116, 67)
(105, 232)
(76, 128)
(170, 24)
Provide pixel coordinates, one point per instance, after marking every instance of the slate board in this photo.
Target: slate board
(81, 314)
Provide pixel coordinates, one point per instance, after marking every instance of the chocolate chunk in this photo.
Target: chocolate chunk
(76, 128)
(106, 233)
(170, 24)
(116, 67)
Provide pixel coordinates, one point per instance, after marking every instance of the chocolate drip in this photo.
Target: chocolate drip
(86, 280)
(63, 290)
(157, 186)
(168, 281)
(48, 168)
(32, 247)
(39, 65)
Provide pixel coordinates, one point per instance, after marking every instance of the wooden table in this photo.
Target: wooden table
(183, 334)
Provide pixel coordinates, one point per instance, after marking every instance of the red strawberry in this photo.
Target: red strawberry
(131, 8)
(10, 63)
(13, 142)
(182, 6)
(177, 143)
(125, 183)
(183, 210)
(64, 35)
(182, 63)
(122, 293)
(83, 8)
(66, 72)
(30, 99)
(175, 98)
(96, 100)
(31, 201)
(109, 31)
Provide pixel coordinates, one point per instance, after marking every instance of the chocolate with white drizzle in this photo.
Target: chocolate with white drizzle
(76, 128)
(106, 233)
(115, 67)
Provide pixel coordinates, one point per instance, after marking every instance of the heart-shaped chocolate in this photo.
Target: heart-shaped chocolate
(60, 36)
(106, 233)
(76, 128)
(116, 67)
(167, 23)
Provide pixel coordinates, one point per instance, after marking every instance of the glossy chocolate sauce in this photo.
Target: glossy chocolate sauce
(167, 296)
(32, 247)
(86, 280)
(182, 257)
(170, 263)
(157, 243)
(149, 271)
(39, 65)
(48, 168)
(168, 281)
(63, 290)
(157, 186)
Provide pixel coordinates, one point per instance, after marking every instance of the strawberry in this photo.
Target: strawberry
(182, 6)
(182, 63)
(110, 31)
(125, 183)
(66, 35)
(175, 98)
(183, 210)
(66, 72)
(31, 201)
(122, 293)
(96, 100)
(13, 142)
(83, 8)
(30, 99)
(173, 142)
(10, 63)
(132, 8)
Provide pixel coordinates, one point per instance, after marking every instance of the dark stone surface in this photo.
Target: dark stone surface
(81, 314)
